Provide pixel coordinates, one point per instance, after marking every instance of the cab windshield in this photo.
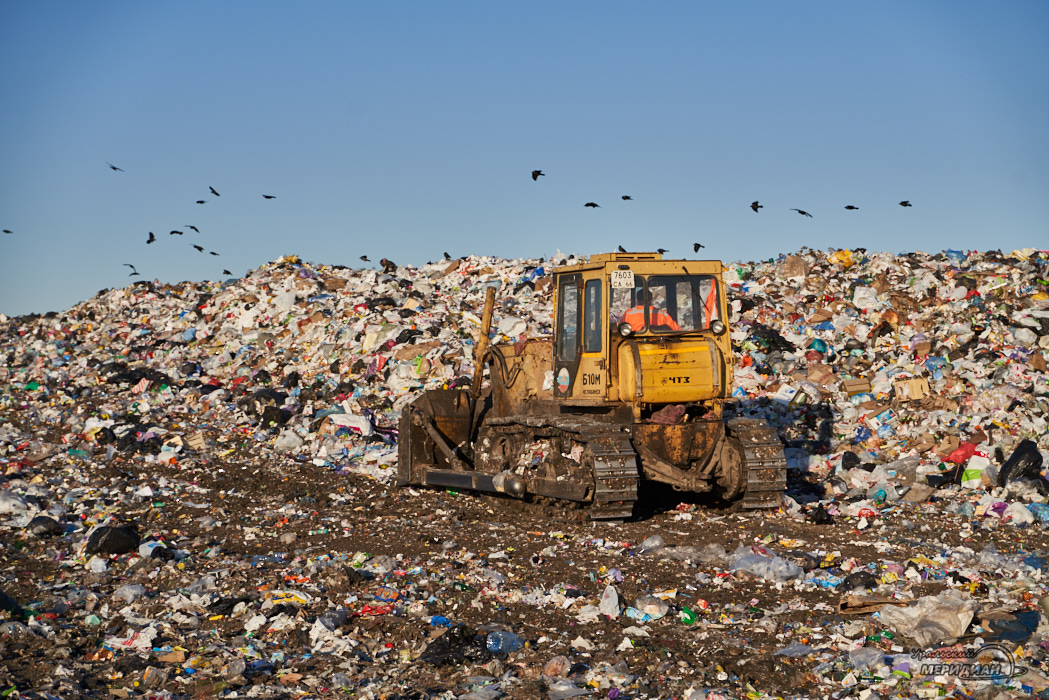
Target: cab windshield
(664, 304)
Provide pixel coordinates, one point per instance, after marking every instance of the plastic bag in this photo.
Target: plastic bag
(772, 568)
(934, 619)
(1024, 463)
(652, 544)
(972, 475)
(610, 602)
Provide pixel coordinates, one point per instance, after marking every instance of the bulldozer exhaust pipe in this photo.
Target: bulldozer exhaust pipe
(482, 342)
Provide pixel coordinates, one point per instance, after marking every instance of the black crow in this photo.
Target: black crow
(627, 198)
(755, 206)
(151, 238)
(905, 203)
(850, 207)
(269, 196)
(591, 205)
(803, 213)
(113, 167)
(198, 247)
(697, 246)
(537, 173)
(214, 192)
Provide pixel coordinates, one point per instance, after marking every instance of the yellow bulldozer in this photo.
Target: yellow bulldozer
(631, 386)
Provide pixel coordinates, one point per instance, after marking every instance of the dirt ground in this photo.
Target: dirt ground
(265, 525)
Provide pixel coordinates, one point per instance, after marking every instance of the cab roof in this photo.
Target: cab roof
(644, 263)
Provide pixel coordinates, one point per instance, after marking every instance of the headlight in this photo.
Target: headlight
(718, 327)
(625, 329)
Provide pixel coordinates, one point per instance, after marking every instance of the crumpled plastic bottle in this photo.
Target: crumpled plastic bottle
(502, 642)
(653, 543)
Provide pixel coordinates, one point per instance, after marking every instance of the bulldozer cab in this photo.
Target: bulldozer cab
(634, 328)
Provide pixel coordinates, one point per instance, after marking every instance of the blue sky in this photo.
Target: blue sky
(407, 129)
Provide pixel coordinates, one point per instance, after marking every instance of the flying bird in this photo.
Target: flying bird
(850, 207)
(226, 272)
(113, 167)
(151, 238)
(622, 249)
(662, 250)
(175, 233)
(905, 203)
(365, 258)
(214, 192)
(201, 201)
(537, 173)
(7, 230)
(200, 248)
(755, 206)
(269, 196)
(627, 198)
(591, 205)
(803, 213)
(211, 252)
(133, 270)
(193, 227)
(697, 246)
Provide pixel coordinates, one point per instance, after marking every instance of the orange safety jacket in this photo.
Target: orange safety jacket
(636, 318)
(710, 307)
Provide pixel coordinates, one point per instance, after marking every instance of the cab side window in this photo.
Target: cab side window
(568, 333)
(592, 326)
(708, 292)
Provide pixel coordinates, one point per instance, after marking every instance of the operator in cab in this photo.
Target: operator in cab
(635, 316)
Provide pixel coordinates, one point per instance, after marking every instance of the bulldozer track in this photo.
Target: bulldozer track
(615, 473)
(766, 463)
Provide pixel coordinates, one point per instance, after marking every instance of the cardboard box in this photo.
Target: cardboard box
(785, 394)
(856, 386)
(410, 352)
(822, 374)
(196, 441)
(876, 419)
(925, 443)
(913, 389)
(820, 316)
(793, 266)
(948, 445)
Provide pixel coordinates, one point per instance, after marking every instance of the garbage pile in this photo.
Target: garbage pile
(197, 501)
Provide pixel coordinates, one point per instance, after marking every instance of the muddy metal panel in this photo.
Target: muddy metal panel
(451, 411)
(682, 372)
(525, 374)
(680, 445)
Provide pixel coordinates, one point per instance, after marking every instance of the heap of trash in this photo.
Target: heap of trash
(197, 496)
